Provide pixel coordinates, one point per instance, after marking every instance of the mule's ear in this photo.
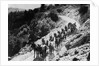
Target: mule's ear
(74, 24)
(69, 25)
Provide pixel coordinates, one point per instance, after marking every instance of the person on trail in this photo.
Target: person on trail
(59, 36)
(38, 58)
(44, 53)
(46, 43)
(57, 42)
(65, 36)
(63, 33)
(43, 41)
(69, 26)
(51, 38)
(51, 48)
(34, 48)
(65, 28)
(55, 38)
(39, 49)
(72, 27)
(55, 35)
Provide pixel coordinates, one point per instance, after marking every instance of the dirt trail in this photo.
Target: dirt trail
(69, 20)
(25, 57)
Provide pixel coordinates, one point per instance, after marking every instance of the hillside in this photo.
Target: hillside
(54, 33)
(14, 10)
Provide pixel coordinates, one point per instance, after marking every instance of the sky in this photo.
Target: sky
(24, 6)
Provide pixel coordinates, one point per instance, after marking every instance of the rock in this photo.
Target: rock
(51, 56)
(62, 51)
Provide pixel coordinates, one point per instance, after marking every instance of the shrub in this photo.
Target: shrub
(13, 45)
(59, 10)
(53, 16)
(57, 5)
(83, 10)
(43, 8)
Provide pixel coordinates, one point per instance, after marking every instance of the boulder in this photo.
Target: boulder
(62, 51)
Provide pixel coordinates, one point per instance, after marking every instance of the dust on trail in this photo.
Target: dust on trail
(69, 20)
(25, 57)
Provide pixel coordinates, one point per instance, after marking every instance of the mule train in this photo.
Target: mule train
(47, 44)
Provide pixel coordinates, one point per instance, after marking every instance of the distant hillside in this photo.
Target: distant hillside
(14, 10)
